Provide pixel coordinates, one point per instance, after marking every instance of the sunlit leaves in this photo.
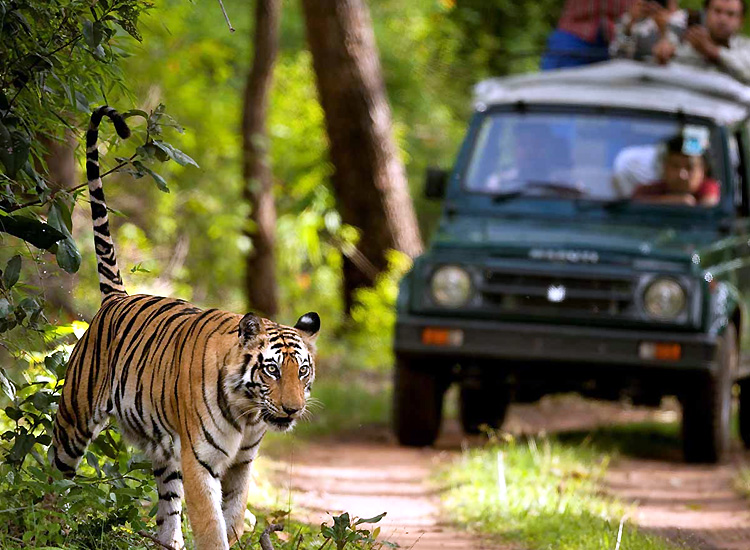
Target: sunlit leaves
(175, 154)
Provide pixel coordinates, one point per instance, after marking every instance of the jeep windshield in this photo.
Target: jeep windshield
(608, 159)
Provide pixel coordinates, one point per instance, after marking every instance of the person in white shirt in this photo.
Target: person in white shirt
(644, 25)
(715, 45)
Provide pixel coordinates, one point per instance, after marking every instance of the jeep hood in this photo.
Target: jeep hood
(517, 238)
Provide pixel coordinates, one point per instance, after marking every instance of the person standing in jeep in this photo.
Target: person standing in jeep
(583, 33)
(715, 45)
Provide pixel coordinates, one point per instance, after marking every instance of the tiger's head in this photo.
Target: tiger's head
(278, 369)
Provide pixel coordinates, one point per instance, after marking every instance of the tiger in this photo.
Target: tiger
(195, 389)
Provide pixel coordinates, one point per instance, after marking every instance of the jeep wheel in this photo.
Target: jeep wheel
(707, 406)
(483, 405)
(417, 403)
(744, 412)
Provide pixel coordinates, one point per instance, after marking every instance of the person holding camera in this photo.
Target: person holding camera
(714, 43)
(644, 25)
(583, 33)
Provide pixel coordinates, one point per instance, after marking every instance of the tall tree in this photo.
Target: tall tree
(260, 277)
(369, 179)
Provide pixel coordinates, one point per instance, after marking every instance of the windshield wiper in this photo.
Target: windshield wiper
(559, 186)
(611, 205)
(617, 204)
(508, 195)
(528, 186)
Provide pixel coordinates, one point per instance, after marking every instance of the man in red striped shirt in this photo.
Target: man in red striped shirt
(583, 33)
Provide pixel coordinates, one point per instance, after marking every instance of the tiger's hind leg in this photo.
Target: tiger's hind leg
(169, 513)
(70, 439)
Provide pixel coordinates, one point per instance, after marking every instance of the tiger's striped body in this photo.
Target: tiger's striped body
(195, 389)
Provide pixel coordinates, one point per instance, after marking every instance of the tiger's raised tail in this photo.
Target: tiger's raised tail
(110, 281)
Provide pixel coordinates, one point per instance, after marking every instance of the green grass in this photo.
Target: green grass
(554, 498)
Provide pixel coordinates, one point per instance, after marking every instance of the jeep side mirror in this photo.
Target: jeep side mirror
(435, 183)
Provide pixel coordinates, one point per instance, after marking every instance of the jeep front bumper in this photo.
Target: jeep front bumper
(532, 342)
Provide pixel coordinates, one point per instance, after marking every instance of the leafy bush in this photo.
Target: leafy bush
(101, 507)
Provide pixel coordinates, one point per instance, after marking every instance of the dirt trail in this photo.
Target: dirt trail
(368, 479)
(369, 474)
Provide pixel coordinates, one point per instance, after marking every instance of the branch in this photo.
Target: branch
(224, 11)
(155, 540)
(265, 537)
(36, 202)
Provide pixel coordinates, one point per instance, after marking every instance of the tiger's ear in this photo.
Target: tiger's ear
(250, 328)
(309, 326)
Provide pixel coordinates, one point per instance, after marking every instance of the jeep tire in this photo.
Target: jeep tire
(707, 405)
(744, 412)
(417, 402)
(483, 404)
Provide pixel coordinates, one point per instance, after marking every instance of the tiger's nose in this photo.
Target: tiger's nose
(291, 411)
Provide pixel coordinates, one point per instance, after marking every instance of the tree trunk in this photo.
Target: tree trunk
(260, 277)
(369, 179)
(56, 284)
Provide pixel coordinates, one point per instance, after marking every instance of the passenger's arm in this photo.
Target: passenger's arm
(736, 62)
(678, 199)
(623, 41)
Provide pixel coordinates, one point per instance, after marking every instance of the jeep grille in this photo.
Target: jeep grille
(583, 296)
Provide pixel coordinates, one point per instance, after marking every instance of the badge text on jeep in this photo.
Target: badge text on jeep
(572, 256)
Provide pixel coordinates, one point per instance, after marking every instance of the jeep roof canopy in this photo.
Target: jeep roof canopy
(627, 84)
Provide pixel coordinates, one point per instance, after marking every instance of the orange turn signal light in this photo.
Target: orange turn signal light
(442, 337)
(661, 351)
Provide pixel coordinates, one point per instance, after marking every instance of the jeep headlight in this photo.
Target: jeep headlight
(664, 299)
(451, 286)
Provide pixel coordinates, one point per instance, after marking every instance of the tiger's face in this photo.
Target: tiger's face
(278, 369)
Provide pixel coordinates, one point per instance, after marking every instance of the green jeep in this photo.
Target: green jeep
(568, 257)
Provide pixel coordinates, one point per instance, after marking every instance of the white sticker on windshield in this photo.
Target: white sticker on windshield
(694, 140)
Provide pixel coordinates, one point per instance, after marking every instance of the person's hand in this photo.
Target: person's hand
(661, 17)
(663, 51)
(636, 12)
(700, 39)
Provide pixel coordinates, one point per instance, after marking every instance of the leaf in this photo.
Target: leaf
(370, 520)
(92, 33)
(175, 154)
(68, 256)
(14, 150)
(135, 112)
(56, 364)
(161, 183)
(13, 413)
(7, 387)
(138, 268)
(41, 401)
(32, 231)
(12, 271)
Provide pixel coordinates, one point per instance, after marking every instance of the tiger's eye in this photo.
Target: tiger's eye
(272, 370)
(304, 370)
